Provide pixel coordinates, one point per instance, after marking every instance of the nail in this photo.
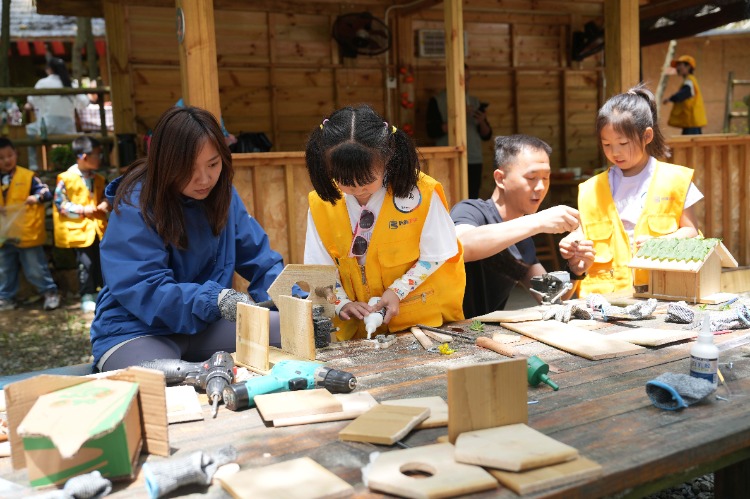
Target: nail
(718, 397)
(532, 402)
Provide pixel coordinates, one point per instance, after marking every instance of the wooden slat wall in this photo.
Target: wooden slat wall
(722, 173)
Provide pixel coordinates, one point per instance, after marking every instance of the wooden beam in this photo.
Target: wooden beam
(690, 27)
(665, 7)
(621, 45)
(456, 87)
(120, 71)
(79, 8)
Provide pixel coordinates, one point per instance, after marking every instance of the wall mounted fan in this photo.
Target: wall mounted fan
(361, 33)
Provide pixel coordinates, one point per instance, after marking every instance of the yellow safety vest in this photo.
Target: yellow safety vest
(393, 249)
(601, 224)
(690, 113)
(28, 229)
(79, 232)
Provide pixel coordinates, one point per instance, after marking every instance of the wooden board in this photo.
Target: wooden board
(587, 344)
(297, 332)
(183, 404)
(523, 315)
(506, 337)
(353, 405)
(514, 447)
(384, 424)
(487, 395)
(448, 478)
(300, 478)
(299, 403)
(313, 277)
(438, 410)
(252, 336)
(653, 337)
(529, 482)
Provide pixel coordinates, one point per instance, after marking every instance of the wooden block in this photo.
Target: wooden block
(653, 337)
(299, 403)
(297, 332)
(447, 477)
(489, 344)
(442, 338)
(300, 478)
(421, 338)
(183, 404)
(438, 410)
(587, 344)
(252, 336)
(486, 395)
(514, 447)
(352, 405)
(384, 424)
(735, 280)
(523, 315)
(529, 482)
(312, 277)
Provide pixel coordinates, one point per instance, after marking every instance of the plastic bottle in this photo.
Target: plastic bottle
(375, 319)
(43, 129)
(704, 356)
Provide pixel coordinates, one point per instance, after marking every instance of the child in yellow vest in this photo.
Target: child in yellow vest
(22, 231)
(383, 224)
(638, 197)
(80, 216)
(688, 111)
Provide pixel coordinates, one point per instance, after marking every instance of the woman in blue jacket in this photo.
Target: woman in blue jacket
(177, 234)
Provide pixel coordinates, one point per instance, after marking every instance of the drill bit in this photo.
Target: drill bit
(215, 407)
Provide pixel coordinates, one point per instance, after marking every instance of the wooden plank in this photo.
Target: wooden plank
(532, 481)
(587, 344)
(522, 315)
(437, 406)
(119, 66)
(352, 405)
(183, 404)
(384, 424)
(282, 405)
(200, 74)
(653, 337)
(297, 331)
(252, 336)
(456, 87)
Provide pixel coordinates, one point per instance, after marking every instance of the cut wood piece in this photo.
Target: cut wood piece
(514, 447)
(183, 404)
(384, 424)
(253, 325)
(587, 344)
(489, 344)
(522, 315)
(506, 338)
(558, 475)
(438, 410)
(299, 478)
(487, 395)
(653, 337)
(353, 405)
(297, 331)
(421, 338)
(298, 403)
(447, 477)
(314, 276)
(442, 338)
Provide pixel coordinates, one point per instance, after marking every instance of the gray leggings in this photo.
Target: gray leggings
(219, 336)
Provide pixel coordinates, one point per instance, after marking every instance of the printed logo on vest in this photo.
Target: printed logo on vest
(409, 203)
(662, 199)
(395, 224)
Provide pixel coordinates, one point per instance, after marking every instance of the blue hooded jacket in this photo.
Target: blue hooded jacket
(155, 289)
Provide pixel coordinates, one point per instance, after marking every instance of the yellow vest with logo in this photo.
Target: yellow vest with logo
(393, 249)
(79, 232)
(601, 224)
(28, 229)
(690, 113)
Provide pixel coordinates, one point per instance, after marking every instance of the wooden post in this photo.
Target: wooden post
(621, 45)
(198, 68)
(456, 87)
(120, 78)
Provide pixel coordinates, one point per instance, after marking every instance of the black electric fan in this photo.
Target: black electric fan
(361, 33)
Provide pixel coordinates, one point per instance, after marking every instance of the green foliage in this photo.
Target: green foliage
(693, 249)
(476, 326)
(61, 157)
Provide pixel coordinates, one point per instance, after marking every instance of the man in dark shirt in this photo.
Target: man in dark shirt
(496, 233)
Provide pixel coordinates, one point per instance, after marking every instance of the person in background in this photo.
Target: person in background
(478, 129)
(178, 233)
(22, 231)
(382, 223)
(496, 233)
(688, 111)
(637, 198)
(80, 216)
(55, 114)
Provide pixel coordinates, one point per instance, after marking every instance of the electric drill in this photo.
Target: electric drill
(212, 375)
(288, 375)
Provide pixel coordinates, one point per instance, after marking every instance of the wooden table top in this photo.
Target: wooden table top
(601, 409)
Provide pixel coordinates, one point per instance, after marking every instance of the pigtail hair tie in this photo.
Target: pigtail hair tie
(393, 129)
(324, 122)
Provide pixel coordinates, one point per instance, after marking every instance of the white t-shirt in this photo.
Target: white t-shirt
(629, 194)
(56, 105)
(436, 244)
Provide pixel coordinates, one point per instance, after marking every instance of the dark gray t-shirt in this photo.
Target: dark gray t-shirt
(490, 281)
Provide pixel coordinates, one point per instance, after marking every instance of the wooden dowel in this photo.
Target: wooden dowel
(489, 344)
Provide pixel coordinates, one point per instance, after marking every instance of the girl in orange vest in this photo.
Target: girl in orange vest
(637, 198)
(383, 224)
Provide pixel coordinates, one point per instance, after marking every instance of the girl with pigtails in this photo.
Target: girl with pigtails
(384, 225)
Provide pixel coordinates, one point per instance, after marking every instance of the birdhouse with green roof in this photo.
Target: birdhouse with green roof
(683, 269)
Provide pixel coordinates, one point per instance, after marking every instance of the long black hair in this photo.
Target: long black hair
(343, 149)
(58, 67)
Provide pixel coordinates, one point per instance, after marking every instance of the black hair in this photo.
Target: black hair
(630, 114)
(84, 145)
(58, 67)
(344, 147)
(6, 142)
(508, 147)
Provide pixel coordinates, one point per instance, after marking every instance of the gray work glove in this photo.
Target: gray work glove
(89, 486)
(673, 391)
(162, 477)
(564, 313)
(734, 318)
(637, 311)
(680, 313)
(228, 300)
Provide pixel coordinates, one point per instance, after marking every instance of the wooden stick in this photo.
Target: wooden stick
(445, 331)
(421, 338)
(489, 344)
(442, 338)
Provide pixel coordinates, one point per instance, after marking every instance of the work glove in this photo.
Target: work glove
(564, 313)
(636, 311)
(680, 313)
(735, 318)
(162, 477)
(89, 486)
(228, 300)
(673, 391)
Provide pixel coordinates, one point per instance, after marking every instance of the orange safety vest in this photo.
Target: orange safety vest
(393, 249)
(690, 113)
(601, 224)
(79, 232)
(28, 229)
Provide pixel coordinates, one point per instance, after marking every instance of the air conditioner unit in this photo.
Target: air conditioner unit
(431, 43)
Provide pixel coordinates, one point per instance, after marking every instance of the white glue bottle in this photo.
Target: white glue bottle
(704, 356)
(375, 319)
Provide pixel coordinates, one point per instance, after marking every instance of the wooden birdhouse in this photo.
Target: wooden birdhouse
(683, 269)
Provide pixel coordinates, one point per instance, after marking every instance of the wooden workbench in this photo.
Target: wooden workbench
(601, 409)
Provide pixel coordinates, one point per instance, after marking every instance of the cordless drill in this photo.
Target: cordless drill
(212, 375)
(288, 375)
